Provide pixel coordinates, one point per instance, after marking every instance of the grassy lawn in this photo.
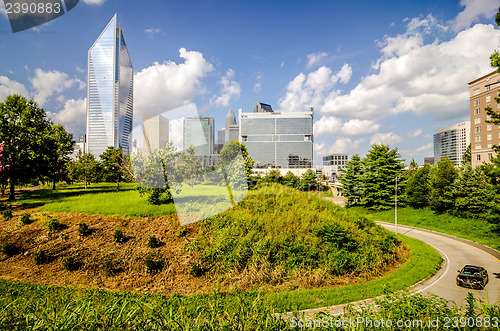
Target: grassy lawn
(28, 306)
(102, 199)
(475, 230)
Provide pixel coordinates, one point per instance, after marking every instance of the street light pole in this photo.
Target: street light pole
(396, 206)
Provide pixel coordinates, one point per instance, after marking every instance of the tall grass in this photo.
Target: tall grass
(476, 230)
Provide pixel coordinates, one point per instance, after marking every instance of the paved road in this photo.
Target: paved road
(457, 253)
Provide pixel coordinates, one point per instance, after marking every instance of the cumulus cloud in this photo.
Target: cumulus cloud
(314, 89)
(74, 113)
(49, 83)
(315, 58)
(8, 87)
(420, 151)
(168, 85)
(473, 11)
(415, 133)
(418, 77)
(341, 145)
(334, 126)
(230, 90)
(385, 139)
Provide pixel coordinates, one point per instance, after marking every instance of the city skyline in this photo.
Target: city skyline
(390, 73)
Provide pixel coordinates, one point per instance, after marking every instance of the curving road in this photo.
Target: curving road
(457, 252)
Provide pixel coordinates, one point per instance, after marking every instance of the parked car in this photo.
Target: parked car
(472, 276)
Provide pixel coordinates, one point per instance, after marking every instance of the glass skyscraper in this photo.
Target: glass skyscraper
(199, 131)
(110, 81)
(278, 140)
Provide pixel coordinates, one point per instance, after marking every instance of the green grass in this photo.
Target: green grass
(29, 306)
(102, 199)
(475, 230)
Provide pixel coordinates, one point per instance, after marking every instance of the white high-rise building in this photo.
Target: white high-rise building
(155, 132)
(452, 142)
(199, 131)
(110, 81)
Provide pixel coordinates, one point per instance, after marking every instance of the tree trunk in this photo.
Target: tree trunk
(54, 184)
(12, 195)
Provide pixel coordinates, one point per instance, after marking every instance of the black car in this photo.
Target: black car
(472, 276)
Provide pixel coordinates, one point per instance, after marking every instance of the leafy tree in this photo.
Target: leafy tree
(417, 187)
(85, 168)
(230, 166)
(113, 165)
(441, 178)
(56, 150)
(308, 181)
(413, 164)
(273, 176)
(24, 129)
(471, 193)
(191, 166)
(3, 169)
(352, 181)
(290, 180)
(157, 174)
(467, 158)
(381, 167)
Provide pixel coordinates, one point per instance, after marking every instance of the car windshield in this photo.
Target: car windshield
(471, 271)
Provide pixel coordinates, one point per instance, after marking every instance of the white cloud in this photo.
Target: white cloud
(334, 126)
(341, 145)
(94, 2)
(151, 31)
(422, 78)
(168, 85)
(385, 139)
(312, 90)
(257, 87)
(473, 11)
(420, 151)
(315, 58)
(48, 83)
(3, 11)
(415, 133)
(8, 87)
(175, 132)
(74, 113)
(230, 90)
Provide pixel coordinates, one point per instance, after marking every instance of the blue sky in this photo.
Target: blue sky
(375, 71)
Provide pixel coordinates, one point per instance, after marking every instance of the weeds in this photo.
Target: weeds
(84, 230)
(153, 265)
(119, 236)
(40, 257)
(54, 225)
(153, 242)
(111, 267)
(26, 219)
(10, 249)
(71, 263)
(7, 214)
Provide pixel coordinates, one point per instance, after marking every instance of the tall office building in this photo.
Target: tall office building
(262, 108)
(483, 91)
(278, 140)
(231, 128)
(109, 92)
(155, 132)
(451, 142)
(199, 131)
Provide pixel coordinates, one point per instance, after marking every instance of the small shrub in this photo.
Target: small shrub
(83, 229)
(111, 268)
(7, 214)
(197, 270)
(25, 219)
(153, 242)
(54, 225)
(71, 263)
(118, 236)
(40, 257)
(10, 249)
(153, 265)
(180, 233)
